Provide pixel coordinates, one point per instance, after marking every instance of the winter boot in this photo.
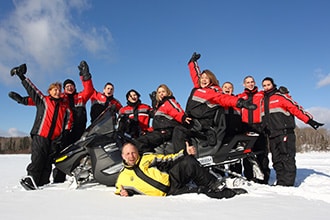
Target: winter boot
(28, 183)
(225, 193)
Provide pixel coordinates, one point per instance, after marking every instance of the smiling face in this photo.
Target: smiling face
(69, 88)
(249, 83)
(133, 97)
(204, 80)
(267, 85)
(54, 90)
(130, 154)
(161, 93)
(227, 88)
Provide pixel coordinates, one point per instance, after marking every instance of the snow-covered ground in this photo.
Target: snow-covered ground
(309, 199)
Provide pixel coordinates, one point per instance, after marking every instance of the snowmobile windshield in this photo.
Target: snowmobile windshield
(104, 123)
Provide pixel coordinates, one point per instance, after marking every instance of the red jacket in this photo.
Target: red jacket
(143, 113)
(53, 115)
(203, 102)
(80, 98)
(99, 102)
(278, 111)
(168, 114)
(252, 116)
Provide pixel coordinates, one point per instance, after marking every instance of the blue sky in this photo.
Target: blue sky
(141, 44)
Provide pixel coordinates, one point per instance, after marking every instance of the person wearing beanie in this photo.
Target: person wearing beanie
(53, 119)
(134, 118)
(100, 101)
(278, 110)
(78, 100)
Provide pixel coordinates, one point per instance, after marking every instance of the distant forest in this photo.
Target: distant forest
(307, 140)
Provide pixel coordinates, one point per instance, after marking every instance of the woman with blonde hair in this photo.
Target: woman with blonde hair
(168, 114)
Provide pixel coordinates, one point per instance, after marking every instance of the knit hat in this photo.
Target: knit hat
(132, 90)
(68, 81)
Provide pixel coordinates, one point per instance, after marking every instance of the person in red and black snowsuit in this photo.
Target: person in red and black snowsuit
(53, 117)
(168, 114)
(77, 102)
(233, 123)
(252, 123)
(205, 101)
(100, 101)
(134, 118)
(278, 111)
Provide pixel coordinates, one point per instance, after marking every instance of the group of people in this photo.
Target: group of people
(61, 119)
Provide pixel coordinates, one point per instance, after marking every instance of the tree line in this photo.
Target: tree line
(307, 139)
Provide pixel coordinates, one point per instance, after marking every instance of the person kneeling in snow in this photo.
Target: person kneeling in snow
(161, 175)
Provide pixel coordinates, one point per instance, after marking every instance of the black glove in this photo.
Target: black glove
(314, 124)
(153, 99)
(283, 90)
(84, 70)
(241, 103)
(19, 71)
(194, 57)
(15, 96)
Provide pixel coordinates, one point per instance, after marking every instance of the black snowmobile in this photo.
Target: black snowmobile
(214, 151)
(96, 156)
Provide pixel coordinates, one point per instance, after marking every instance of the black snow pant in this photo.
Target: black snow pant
(283, 149)
(151, 140)
(261, 149)
(187, 170)
(179, 137)
(40, 167)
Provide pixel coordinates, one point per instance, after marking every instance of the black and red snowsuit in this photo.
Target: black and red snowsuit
(134, 119)
(77, 102)
(168, 115)
(278, 111)
(99, 102)
(252, 123)
(53, 117)
(203, 105)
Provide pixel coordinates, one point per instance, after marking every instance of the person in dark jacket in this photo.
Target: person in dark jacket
(53, 117)
(100, 101)
(134, 118)
(162, 175)
(251, 120)
(278, 111)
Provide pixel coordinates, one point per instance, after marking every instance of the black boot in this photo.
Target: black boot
(28, 183)
(225, 193)
(19, 71)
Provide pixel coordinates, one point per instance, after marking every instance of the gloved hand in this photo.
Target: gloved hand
(84, 70)
(314, 124)
(194, 57)
(283, 90)
(15, 96)
(19, 71)
(153, 99)
(241, 103)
